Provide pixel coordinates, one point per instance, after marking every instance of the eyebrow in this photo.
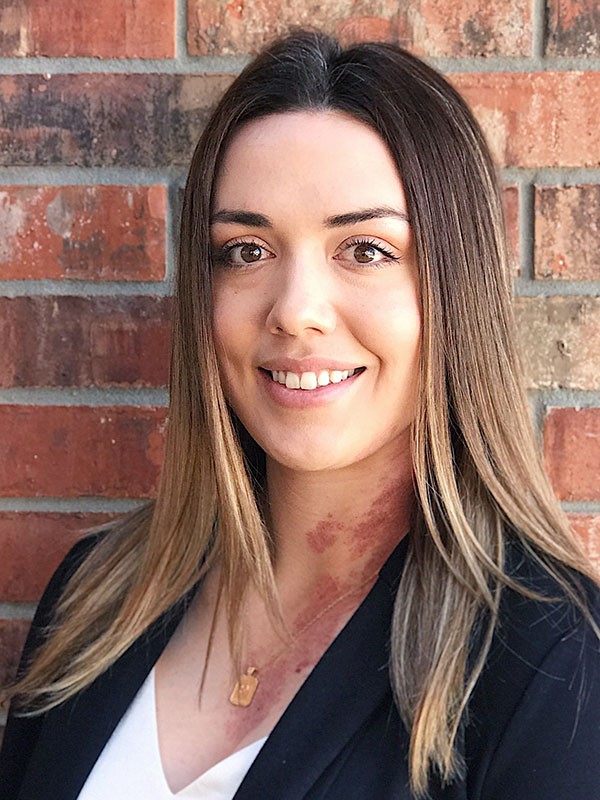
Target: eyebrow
(254, 220)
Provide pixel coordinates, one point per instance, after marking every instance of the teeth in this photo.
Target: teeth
(292, 381)
(308, 380)
(311, 380)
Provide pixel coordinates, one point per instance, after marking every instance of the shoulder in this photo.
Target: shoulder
(529, 626)
(57, 584)
(22, 732)
(534, 719)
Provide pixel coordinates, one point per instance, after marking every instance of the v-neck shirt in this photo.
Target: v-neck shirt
(531, 733)
(130, 766)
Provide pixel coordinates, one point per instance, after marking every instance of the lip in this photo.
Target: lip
(307, 365)
(306, 398)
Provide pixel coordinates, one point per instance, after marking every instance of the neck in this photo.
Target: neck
(340, 524)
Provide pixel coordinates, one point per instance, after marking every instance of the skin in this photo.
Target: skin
(299, 285)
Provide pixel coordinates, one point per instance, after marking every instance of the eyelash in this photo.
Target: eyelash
(221, 254)
(354, 242)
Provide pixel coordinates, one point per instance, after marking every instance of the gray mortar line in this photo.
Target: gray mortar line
(181, 26)
(526, 231)
(537, 415)
(230, 64)
(17, 610)
(125, 66)
(524, 287)
(172, 225)
(65, 175)
(58, 288)
(526, 64)
(568, 398)
(538, 22)
(69, 505)
(95, 397)
(581, 506)
(102, 505)
(551, 176)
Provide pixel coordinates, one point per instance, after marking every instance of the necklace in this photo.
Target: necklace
(247, 684)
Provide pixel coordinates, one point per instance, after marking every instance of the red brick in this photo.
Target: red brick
(510, 197)
(32, 546)
(67, 451)
(82, 232)
(12, 639)
(91, 120)
(543, 119)
(588, 527)
(573, 28)
(427, 27)
(572, 452)
(100, 28)
(560, 341)
(567, 232)
(80, 341)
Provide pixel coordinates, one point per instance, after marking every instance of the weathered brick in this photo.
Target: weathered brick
(12, 639)
(102, 120)
(547, 119)
(573, 27)
(427, 27)
(544, 119)
(67, 451)
(588, 527)
(572, 452)
(82, 232)
(560, 341)
(33, 545)
(81, 341)
(510, 197)
(100, 28)
(567, 232)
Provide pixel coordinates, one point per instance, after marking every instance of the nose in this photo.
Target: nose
(302, 299)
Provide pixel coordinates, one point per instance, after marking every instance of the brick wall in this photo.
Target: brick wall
(100, 103)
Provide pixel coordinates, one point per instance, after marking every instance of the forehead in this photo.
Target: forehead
(327, 157)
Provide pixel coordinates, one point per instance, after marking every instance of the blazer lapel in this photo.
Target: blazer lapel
(73, 735)
(345, 687)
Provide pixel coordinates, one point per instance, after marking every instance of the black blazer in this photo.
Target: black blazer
(533, 729)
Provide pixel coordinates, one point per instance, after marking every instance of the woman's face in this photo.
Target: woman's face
(316, 305)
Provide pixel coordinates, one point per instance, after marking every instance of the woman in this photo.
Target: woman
(350, 484)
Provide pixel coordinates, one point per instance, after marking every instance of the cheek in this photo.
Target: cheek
(392, 330)
(234, 334)
(225, 341)
(226, 322)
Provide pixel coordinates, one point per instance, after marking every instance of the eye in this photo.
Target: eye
(241, 254)
(365, 251)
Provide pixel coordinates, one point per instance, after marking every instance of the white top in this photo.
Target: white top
(130, 767)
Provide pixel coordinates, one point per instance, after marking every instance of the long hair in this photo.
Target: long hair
(478, 476)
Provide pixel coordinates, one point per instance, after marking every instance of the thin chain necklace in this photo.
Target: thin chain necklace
(247, 684)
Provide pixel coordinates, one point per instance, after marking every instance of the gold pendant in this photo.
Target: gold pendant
(245, 688)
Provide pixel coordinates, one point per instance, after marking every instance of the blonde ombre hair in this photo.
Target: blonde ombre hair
(478, 476)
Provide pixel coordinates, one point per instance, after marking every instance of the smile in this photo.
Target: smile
(312, 380)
